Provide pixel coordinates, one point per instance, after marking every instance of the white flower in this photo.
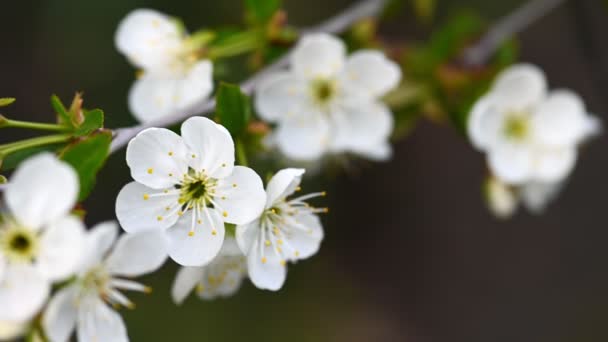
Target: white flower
(502, 200)
(83, 305)
(329, 103)
(530, 135)
(222, 277)
(174, 79)
(40, 242)
(288, 230)
(189, 186)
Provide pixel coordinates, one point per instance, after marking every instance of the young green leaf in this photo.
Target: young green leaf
(233, 108)
(262, 10)
(62, 114)
(5, 101)
(11, 161)
(93, 120)
(87, 156)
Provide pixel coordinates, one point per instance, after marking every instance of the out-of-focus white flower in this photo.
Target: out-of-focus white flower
(9, 331)
(327, 103)
(174, 79)
(502, 200)
(40, 242)
(287, 230)
(189, 186)
(83, 305)
(530, 135)
(222, 277)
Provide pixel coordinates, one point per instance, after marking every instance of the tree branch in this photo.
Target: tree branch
(336, 24)
(507, 27)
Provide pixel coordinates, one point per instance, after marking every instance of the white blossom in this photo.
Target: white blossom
(222, 277)
(530, 135)
(174, 79)
(502, 200)
(328, 103)
(108, 264)
(287, 230)
(188, 186)
(40, 242)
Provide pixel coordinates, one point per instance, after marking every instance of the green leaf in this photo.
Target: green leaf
(62, 113)
(233, 108)
(87, 156)
(12, 160)
(5, 101)
(93, 120)
(262, 10)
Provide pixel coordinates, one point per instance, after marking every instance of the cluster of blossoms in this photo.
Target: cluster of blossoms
(530, 136)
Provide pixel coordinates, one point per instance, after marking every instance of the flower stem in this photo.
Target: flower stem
(33, 142)
(241, 155)
(238, 44)
(4, 122)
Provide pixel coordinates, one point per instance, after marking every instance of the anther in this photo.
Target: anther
(146, 197)
(225, 214)
(264, 260)
(190, 233)
(150, 171)
(159, 218)
(170, 153)
(214, 232)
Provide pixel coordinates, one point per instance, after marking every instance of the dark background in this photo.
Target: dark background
(411, 253)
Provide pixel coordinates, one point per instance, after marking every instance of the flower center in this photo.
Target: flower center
(96, 280)
(196, 189)
(323, 90)
(516, 127)
(18, 243)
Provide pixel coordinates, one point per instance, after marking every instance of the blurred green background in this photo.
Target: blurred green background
(411, 253)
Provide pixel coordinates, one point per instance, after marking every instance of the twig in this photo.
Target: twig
(506, 27)
(337, 24)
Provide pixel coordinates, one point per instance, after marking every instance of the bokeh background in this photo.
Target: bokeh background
(411, 253)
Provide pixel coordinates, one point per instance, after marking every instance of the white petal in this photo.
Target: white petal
(555, 165)
(307, 239)
(536, 196)
(593, 127)
(485, 123)
(279, 94)
(59, 320)
(157, 158)
(211, 146)
(200, 248)
(303, 137)
(380, 152)
(283, 184)
(138, 254)
(500, 198)
(139, 208)
(223, 277)
(230, 247)
(154, 96)
(23, 292)
(2, 266)
(61, 248)
(247, 235)
(520, 87)
(148, 38)
(240, 197)
(267, 273)
(41, 190)
(358, 128)
(185, 281)
(318, 56)
(560, 120)
(511, 163)
(370, 74)
(97, 322)
(98, 241)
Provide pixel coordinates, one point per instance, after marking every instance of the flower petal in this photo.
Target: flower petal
(485, 123)
(520, 87)
(157, 158)
(501, 199)
(278, 95)
(306, 238)
(561, 120)
(185, 281)
(283, 184)
(380, 152)
(536, 196)
(23, 292)
(240, 197)
(247, 235)
(98, 241)
(303, 137)
(199, 248)
(41, 190)
(148, 38)
(59, 319)
(97, 322)
(369, 73)
(138, 254)
(266, 272)
(211, 146)
(555, 165)
(223, 277)
(357, 128)
(61, 248)
(318, 55)
(511, 163)
(140, 208)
